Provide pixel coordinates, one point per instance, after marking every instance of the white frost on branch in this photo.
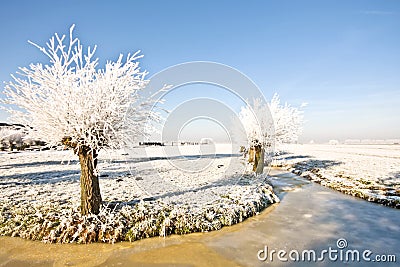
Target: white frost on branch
(257, 122)
(72, 98)
(284, 127)
(288, 121)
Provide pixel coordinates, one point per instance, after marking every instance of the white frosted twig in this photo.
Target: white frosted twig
(71, 97)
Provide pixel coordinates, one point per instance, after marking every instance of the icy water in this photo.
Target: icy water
(310, 217)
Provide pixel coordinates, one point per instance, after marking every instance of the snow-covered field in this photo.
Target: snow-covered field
(146, 192)
(371, 172)
(157, 191)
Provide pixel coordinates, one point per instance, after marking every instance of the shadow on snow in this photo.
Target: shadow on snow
(321, 164)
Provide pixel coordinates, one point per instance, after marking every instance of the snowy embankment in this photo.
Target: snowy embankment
(370, 172)
(147, 192)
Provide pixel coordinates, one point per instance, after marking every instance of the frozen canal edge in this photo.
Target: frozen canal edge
(309, 217)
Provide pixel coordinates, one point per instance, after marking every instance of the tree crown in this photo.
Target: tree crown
(271, 123)
(72, 101)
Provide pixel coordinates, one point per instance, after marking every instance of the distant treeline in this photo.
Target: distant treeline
(174, 143)
(151, 144)
(372, 141)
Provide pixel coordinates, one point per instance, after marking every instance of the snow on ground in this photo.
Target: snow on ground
(146, 192)
(371, 172)
(45, 176)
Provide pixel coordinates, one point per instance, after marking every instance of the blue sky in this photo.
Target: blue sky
(342, 57)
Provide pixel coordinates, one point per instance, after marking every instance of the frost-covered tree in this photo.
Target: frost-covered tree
(258, 125)
(267, 125)
(288, 122)
(72, 102)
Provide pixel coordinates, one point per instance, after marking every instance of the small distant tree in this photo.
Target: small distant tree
(269, 124)
(72, 102)
(11, 139)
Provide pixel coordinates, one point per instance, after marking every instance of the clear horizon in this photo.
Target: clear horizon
(340, 57)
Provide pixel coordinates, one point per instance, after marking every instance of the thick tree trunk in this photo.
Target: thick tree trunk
(90, 189)
(258, 162)
(251, 155)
